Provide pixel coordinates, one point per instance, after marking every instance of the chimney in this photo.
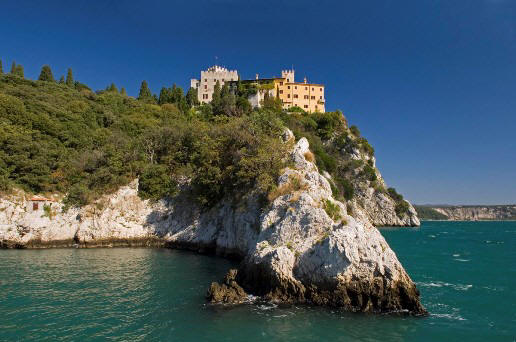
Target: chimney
(256, 76)
(305, 80)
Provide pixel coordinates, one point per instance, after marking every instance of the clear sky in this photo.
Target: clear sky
(431, 84)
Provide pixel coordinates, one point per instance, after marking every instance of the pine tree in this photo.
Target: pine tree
(191, 97)
(123, 92)
(216, 99)
(61, 80)
(1, 70)
(13, 68)
(112, 88)
(145, 93)
(164, 96)
(46, 74)
(69, 78)
(19, 71)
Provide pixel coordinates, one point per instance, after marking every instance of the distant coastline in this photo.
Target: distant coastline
(506, 212)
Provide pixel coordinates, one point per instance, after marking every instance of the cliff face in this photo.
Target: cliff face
(304, 247)
(478, 213)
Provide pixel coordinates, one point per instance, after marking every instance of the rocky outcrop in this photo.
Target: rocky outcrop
(477, 213)
(304, 247)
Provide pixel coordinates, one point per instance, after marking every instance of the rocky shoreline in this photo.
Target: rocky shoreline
(304, 247)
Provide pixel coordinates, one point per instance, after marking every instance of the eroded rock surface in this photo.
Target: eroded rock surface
(302, 248)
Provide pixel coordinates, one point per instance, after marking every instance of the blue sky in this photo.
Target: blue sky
(431, 84)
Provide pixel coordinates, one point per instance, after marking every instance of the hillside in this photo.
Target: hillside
(294, 196)
(68, 141)
(467, 212)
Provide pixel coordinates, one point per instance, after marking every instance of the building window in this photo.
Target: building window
(205, 80)
(281, 91)
(320, 89)
(288, 95)
(313, 97)
(306, 97)
(288, 87)
(295, 87)
(306, 106)
(320, 97)
(312, 89)
(35, 206)
(306, 88)
(281, 83)
(295, 96)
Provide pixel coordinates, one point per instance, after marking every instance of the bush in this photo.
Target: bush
(369, 173)
(333, 210)
(346, 187)
(156, 182)
(354, 129)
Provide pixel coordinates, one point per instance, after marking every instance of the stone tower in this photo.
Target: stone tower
(288, 75)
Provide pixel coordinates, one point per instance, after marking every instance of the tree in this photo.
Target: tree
(123, 92)
(145, 93)
(191, 97)
(13, 68)
(216, 99)
(112, 88)
(69, 78)
(1, 70)
(46, 74)
(19, 71)
(164, 96)
(61, 80)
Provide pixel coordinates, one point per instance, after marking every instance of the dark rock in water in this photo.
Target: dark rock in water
(228, 292)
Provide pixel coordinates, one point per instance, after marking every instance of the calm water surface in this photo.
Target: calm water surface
(466, 273)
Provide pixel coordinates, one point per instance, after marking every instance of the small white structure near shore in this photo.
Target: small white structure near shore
(37, 203)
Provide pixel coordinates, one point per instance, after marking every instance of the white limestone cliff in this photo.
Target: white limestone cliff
(303, 247)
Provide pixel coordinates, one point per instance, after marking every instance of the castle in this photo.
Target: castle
(307, 96)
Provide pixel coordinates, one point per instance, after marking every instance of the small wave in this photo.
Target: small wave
(449, 316)
(456, 255)
(462, 260)
(266, 307)
(432, 236)
(458, 287)
(489, 242)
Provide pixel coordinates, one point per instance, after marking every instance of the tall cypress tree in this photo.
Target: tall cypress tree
(61, 80)
(191, 97)
(145, 93)
(46, 74)
(69, 78)
(112, 88)
(13, 68)
(19, 71)
(123, 92)
(1, 70)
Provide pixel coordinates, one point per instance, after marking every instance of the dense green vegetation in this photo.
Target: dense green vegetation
(62, 137)
(427, 213)
(67, 139)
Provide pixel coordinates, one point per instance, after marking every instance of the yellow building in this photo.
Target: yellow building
(307, 96)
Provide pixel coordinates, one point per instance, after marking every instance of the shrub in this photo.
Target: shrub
(354, 129)
(156, 183)
(348, 190)
(332, 209)
(369, 173)
(309, 156)
(295, 183)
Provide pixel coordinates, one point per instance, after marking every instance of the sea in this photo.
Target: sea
(465, 271)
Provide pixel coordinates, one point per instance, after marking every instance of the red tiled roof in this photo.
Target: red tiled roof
(40, 198)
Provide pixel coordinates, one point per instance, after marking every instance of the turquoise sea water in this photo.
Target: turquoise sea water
(466, 272)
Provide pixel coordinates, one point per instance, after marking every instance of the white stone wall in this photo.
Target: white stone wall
(210, 77)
